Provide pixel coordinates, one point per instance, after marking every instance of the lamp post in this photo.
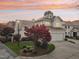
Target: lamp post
(18, 26)
(18, 30)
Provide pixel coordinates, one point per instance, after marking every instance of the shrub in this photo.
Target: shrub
(77, 37)
(17, 37)
(66, 36)
(3, 39)
(7, 31)
(26, 39)
(66, 39)
(45, 45)
(51, 47)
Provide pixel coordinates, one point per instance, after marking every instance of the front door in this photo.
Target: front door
(74, 34)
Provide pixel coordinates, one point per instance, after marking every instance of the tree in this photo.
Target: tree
(38, 33)
(7, 31)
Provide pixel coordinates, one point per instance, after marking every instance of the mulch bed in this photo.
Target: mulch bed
(39, 52)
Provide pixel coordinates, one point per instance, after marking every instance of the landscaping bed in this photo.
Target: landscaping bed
(37, 44)
(17, 49)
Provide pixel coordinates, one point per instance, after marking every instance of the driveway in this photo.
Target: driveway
(64, 50)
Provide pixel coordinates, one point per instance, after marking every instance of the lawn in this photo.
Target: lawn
(16, 48)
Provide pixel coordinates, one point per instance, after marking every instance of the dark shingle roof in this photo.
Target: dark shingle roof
(48, 12)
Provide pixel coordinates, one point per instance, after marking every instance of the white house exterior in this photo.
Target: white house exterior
(22, 24)
(55, 24)
(57, 34)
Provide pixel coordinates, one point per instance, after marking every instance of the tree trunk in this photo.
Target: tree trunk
(6, 38)
(12, 39)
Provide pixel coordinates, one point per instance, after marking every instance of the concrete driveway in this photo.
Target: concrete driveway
(64, 50)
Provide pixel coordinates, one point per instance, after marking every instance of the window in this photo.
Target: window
(66, 27)
(58, 25)
(68, 32)
(65, 33)
(47, 23)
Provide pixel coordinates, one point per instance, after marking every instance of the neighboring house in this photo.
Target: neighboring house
(2, 26)
(68, 27)
(74, 32)
(21, 25)
(72, 28)
(11, 24)
(54, 23)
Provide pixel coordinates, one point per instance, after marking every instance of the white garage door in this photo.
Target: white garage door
(57, 36)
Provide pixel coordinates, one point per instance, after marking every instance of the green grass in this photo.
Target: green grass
(14, 46)
(51, 47)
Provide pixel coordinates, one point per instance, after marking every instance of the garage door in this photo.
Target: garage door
(57, 36)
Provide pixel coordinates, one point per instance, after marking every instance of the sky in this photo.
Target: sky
(29, 9)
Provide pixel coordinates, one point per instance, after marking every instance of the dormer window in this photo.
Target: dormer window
(47, 23)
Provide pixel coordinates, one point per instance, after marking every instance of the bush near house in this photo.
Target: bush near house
(3, 39)
(7, 33)
(17, 37)
(77, 37)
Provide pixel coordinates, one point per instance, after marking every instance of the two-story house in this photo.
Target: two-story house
(72, 28)
(55, 24)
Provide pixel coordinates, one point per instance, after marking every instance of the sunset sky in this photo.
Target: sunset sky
(29, 9)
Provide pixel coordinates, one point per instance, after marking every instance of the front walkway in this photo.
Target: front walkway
(64, 50)
(4, 53)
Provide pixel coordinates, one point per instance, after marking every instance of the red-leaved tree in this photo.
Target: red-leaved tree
(38, 33)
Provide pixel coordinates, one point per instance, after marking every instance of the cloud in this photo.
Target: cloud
(38, 4)
(6, 0)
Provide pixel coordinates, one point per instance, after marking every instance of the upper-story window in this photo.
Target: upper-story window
(66, 27)
(58, 25)
(65, 33)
